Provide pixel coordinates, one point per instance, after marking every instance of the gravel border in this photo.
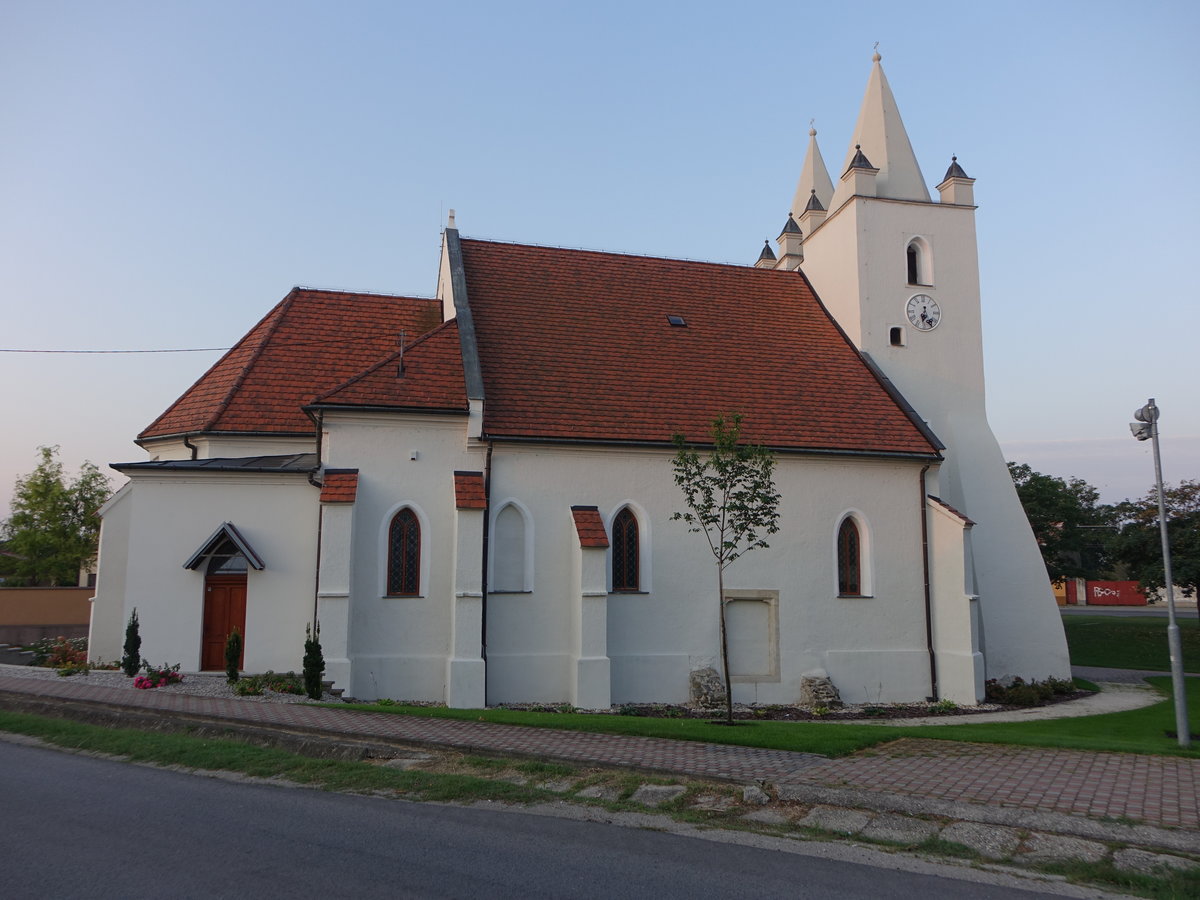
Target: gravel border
(198, 684)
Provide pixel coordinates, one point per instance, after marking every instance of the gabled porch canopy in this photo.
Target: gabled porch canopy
(226, 532)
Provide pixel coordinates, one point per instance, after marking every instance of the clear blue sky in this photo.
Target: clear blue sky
(169, 170)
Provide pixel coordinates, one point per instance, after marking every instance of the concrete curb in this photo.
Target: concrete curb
(1181, 840)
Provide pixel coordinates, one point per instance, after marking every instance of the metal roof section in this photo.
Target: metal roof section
(291, 463)
(859, 161)
(902, 402)
(955, 170)
(814, 202)
(790, 226)
(767, 252)
(225, 531)
(462, 312)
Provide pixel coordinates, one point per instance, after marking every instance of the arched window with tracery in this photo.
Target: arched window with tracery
(849, 549)
(404, 555)
(625, 552)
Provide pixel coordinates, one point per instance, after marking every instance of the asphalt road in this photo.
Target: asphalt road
(78, 827)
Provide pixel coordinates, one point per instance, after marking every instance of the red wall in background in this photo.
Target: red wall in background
(1114, 593)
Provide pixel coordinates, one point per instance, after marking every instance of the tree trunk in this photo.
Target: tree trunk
(724, 646)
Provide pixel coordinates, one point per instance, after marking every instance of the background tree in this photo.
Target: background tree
(731, 500)
(53, 530)
(1073, 530)
(1138, 545)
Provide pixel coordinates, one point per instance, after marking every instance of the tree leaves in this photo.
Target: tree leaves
(730, 493)
(54, 529)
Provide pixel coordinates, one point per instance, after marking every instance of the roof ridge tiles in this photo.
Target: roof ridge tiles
(274, 311)
(340, 292)
(626, 254)
(284, 308)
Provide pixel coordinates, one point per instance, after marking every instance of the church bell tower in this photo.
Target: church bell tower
(900, 273)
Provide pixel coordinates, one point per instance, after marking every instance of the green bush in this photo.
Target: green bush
(131, 662)
(1027, 693)
(233, 655)
(279, 682)
(314, 662)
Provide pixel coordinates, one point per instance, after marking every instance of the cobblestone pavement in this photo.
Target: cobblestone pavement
(1159, 791)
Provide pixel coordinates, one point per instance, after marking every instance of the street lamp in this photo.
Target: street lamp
(1146, 428)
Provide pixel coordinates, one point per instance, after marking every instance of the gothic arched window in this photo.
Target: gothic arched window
(849, 550)
(404, 555)
(913, 255)
(625, 549)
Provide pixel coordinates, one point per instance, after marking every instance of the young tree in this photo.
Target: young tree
(53, 529)
(732, 501)
(1071, 528)
(1139, 543)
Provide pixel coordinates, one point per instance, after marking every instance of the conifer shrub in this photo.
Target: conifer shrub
(131, 661)
(314, 662)
(233, 654)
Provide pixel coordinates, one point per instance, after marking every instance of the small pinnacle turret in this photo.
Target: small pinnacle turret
(859, 161)
(957, 187)
(955, 170)
(766, 259)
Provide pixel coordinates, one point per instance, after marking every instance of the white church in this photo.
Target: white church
(472, 493)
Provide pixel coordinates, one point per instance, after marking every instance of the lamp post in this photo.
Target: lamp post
(1146, 428)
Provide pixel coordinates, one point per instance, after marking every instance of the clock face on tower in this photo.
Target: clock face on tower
(923, 312)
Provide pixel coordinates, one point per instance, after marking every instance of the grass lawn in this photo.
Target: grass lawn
(1136, 731)
(1136, 642)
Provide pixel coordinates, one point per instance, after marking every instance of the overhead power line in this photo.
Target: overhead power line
(177, 350)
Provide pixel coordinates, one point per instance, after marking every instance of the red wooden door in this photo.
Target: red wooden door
(224, 609)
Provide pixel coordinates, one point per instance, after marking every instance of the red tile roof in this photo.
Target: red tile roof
(468, 490)
(590, 526)
(311, 341)
(432, 377)
(339, 486)
(577, 345)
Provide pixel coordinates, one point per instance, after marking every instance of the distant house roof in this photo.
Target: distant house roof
(311, 341)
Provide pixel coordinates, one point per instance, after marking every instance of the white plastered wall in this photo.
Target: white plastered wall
(163, 520)
(960, 667)
(400, 647)
(874, 647)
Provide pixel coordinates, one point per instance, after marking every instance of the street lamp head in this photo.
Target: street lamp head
(1148, 413)
(1141, 430)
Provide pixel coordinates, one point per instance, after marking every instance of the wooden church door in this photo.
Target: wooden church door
(224, 610)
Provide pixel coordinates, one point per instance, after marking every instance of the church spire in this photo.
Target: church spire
(813, 177)
(881, 135)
